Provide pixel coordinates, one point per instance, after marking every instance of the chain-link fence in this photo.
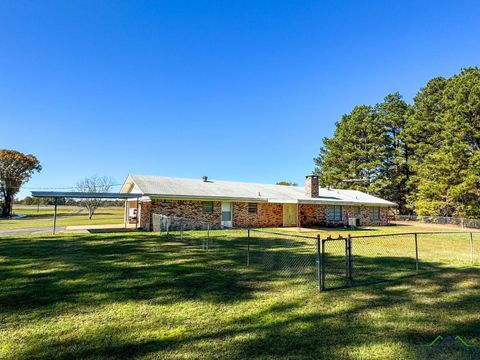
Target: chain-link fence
(327, 263)
(283, 255)
(188, 231)
(441, 220)
(376, 258)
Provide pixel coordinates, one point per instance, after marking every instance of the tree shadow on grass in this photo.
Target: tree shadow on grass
(305, 327)
(39, 273)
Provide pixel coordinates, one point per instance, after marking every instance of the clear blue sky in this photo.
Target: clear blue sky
(236, 90)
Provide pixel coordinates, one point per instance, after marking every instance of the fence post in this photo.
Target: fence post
(208, 234)
(181, 229)
(248, 247)
(471, 247)
(322, 268)
(416, 253)
(349, 261)
(319, 281)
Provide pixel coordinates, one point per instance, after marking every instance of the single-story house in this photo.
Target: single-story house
(240, 204)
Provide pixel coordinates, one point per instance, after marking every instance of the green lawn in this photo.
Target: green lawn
(44, 218)
(134, 295)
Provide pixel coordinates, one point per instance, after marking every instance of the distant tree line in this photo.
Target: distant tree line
(424, 156)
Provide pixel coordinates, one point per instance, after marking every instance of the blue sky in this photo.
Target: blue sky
(236, 90)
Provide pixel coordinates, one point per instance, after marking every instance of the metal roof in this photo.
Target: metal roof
(180, 188)
(79, 195)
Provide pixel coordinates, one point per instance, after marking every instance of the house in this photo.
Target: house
(240, 204)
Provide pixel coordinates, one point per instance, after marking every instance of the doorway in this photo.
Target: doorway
(289, 214)
(227, 214)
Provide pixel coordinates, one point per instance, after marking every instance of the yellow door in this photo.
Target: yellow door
(289, 214)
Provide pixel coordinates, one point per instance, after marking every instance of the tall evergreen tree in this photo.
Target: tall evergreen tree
(353, 156)
(424, 157)
(394, 174)
(455, 160)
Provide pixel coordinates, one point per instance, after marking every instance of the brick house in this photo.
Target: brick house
(238, 204)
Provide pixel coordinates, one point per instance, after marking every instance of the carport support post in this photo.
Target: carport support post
(125, 214)
(136, 217)
(416, 253)
(55, 215)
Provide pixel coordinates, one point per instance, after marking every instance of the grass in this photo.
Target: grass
(66, 216)
(131, 295)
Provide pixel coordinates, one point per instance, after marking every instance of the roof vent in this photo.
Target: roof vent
(205, 178)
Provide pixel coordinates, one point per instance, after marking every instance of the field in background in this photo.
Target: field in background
(393, 228)
(137, 296)
(67, 215)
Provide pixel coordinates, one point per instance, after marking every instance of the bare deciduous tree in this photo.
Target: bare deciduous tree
(94, 184)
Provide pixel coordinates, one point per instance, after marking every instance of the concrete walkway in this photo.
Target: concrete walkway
(99, 228)
(30, 231)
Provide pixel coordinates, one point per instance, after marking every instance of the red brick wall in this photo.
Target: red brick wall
(268, 215)
(312, 215)
(145, 215)
(317, 215)
(190, 209)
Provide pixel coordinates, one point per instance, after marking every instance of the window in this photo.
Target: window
(252, 208)
(375, 213)
(207, 207)
(334, 213)
(356, 211)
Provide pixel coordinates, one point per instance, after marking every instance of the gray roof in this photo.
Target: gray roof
(179, 188)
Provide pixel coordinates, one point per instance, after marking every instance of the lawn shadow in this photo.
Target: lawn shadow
(40, 273)
(37, 273)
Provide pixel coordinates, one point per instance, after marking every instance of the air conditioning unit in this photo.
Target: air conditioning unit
(353, 222)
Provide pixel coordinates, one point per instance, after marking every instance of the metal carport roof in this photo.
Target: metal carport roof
(82, 195)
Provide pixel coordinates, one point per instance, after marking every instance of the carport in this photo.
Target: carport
(87, 195)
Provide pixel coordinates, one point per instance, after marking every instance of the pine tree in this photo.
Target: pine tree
(355, 152)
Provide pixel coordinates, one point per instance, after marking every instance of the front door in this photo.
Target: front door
(226, 214)
(289, 214)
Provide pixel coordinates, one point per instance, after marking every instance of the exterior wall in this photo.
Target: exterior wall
(145, 215)
(191, 209)
(311, 215)
(268, 215)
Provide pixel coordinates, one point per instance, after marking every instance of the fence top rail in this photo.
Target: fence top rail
(413, 233)
(283, 234)
(340, 238)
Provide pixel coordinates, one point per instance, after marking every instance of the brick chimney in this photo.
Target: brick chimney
(311, 186)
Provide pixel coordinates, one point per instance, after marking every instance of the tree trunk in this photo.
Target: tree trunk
(90, 213)
(7, 205)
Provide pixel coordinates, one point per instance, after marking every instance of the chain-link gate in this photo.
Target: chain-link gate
(335, 265)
